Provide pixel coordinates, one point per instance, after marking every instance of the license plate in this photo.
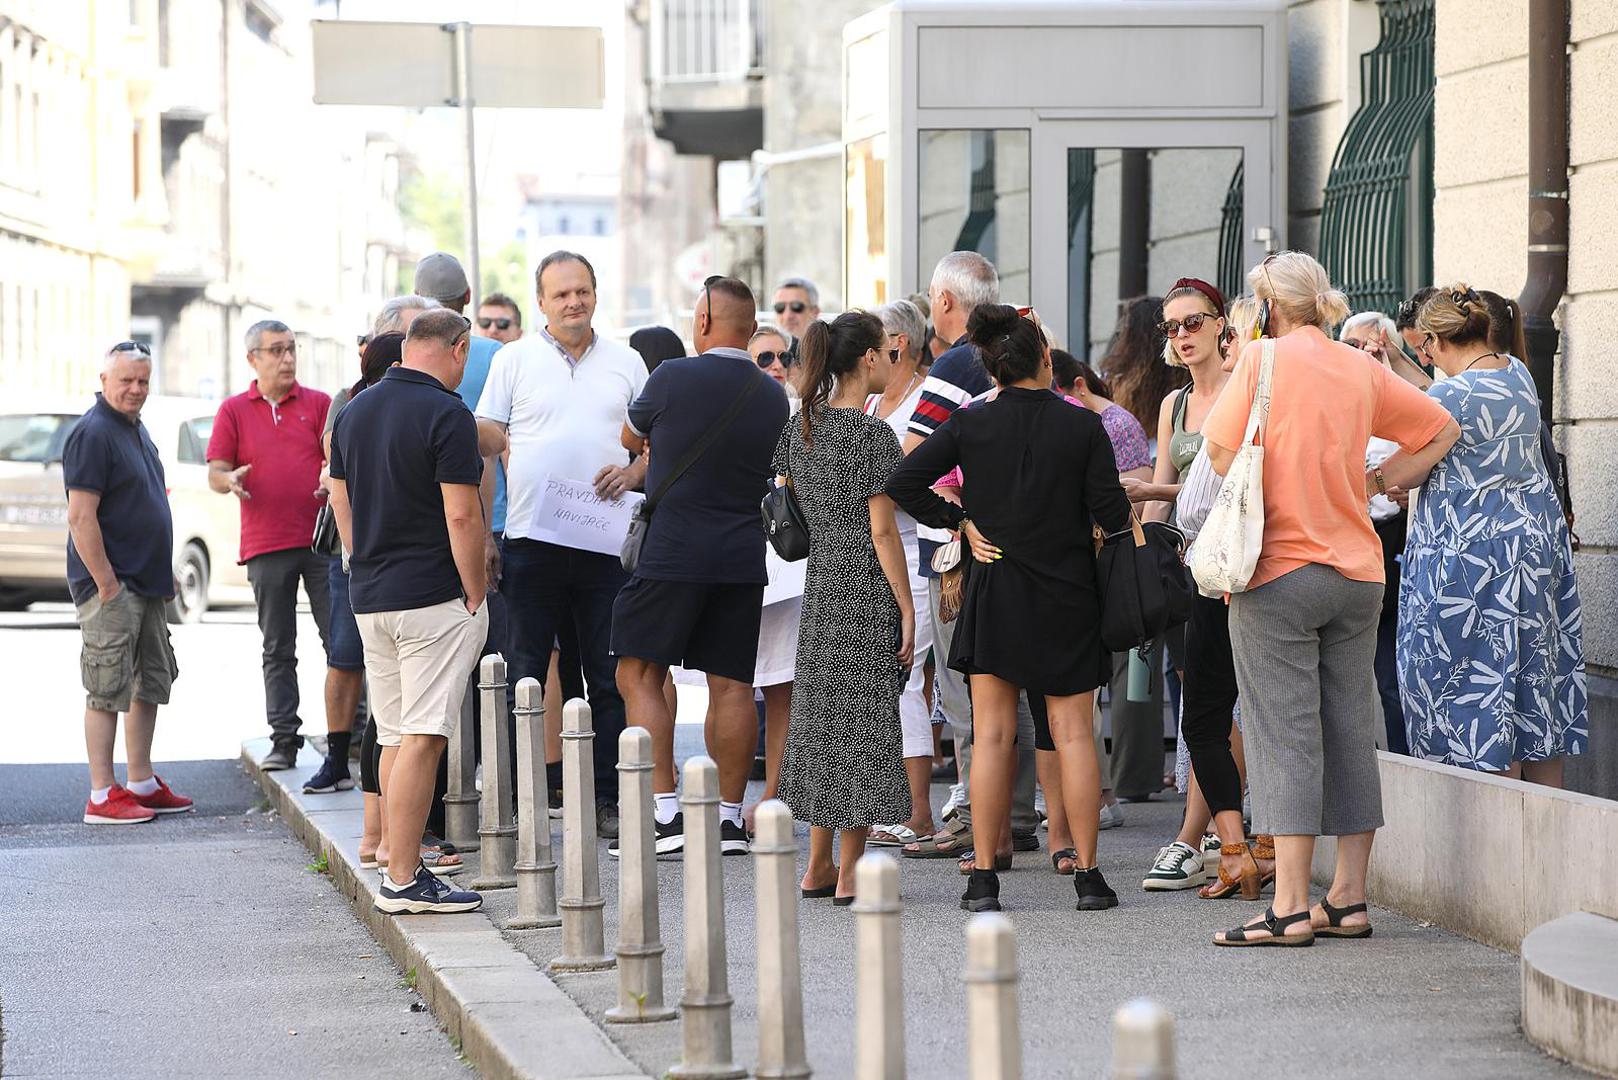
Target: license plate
(34, 514)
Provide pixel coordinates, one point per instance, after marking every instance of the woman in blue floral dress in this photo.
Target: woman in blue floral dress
(1491, 649)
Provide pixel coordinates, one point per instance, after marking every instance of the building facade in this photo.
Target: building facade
(165, 177)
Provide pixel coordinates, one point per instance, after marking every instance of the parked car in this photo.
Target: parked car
(33, 505)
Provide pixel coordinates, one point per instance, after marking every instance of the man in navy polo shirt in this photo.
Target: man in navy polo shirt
(698, 590)
(405, 473)
(119, 551)
(266, 450)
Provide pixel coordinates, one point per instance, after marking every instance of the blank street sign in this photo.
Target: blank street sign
(413, 64)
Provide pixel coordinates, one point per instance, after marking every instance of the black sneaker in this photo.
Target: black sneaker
(332, 776)
(982, 892)
(670, 837)
(554, 798)
(425, 894)
(1025, 841)
(733, 838)
(607, 819)
(1094, 892)
(283, 755)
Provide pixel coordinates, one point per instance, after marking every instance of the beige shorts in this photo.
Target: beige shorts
(418, 662)
(127, 655)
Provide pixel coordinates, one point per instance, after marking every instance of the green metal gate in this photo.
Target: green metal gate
(1231, 229)
(1376, 220)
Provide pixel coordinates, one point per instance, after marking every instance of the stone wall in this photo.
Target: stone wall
(1480, 214)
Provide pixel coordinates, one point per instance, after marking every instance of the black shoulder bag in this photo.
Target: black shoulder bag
(1145, 589)
(641, 520)
(788, 533)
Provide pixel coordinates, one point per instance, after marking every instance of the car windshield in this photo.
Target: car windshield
(36, 437)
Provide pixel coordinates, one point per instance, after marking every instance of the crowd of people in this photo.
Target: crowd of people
(1414, 587)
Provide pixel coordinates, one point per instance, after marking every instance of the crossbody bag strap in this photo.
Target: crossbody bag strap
(1259, 414)
(702, 444)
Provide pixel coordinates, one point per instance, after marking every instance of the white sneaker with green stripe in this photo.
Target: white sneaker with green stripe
(1178, 866)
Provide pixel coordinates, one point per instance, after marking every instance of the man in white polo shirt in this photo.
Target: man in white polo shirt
(561, 395)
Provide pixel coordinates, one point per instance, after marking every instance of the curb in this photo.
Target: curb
(510, 1020)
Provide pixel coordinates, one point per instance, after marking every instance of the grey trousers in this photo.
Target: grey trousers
(1304, 646)
(1137, 731)
(274, 577)
(956, 697)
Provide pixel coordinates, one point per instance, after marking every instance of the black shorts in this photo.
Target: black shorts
(700, 626)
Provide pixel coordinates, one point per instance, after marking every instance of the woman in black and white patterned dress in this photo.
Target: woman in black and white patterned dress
(844, 767)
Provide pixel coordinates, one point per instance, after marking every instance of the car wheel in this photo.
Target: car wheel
(191, 598)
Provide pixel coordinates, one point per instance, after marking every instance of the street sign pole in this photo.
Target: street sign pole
(463, 93)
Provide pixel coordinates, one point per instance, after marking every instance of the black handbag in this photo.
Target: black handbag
(640, 520)
(788, 533)
(325, 540)
(1145, 586)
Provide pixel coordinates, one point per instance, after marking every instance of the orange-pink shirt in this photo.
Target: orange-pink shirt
(1326, 400)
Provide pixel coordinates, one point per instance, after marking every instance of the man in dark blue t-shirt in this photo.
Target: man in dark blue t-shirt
(405, 472)
(119, 547)
(698, 590)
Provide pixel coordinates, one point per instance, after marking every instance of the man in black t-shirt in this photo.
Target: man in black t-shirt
(404, 488)
(698, 591)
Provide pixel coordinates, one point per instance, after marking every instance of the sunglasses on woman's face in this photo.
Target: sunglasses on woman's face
(798, 307)
(1192, 323)
(502, 324)
(768, 359)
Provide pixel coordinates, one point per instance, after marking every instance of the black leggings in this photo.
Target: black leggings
(370, 759)
(1209, 703)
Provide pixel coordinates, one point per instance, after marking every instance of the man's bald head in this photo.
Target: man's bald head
(726, 315)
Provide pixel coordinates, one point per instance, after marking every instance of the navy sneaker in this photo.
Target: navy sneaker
(425, 895)
(732, 838)
(670, 837)
(332, 776)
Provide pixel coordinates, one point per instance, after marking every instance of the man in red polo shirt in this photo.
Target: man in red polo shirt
(266, 450)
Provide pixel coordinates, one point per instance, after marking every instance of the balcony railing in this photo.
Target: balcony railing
(698, 41)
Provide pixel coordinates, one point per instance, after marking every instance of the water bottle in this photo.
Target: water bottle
(1140, 677)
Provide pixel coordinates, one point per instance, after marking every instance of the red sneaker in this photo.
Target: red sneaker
(119, 808)
(163, 800)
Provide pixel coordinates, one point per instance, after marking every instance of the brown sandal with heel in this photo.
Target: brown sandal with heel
(1247, 881)
(1264, 848)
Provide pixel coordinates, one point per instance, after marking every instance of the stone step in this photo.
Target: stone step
(1570, 990)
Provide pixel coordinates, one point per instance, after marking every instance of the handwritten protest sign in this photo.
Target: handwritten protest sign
(786, 578)
(570, 513)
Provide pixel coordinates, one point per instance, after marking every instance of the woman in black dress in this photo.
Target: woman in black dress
(843, 769)
(1036, 472)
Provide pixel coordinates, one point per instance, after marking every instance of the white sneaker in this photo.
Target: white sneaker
(1178, 866)
(1112, 816)
(956, 800)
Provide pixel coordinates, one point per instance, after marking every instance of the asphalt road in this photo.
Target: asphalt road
(199, 945)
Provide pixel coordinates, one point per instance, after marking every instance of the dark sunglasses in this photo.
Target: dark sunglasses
(1192, 323)
(893, 356)
(798, 307)
(362, 340)
(131, 347)
(502, 324)
(768, 359)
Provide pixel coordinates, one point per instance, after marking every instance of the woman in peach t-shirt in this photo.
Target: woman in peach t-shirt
(1304, 632)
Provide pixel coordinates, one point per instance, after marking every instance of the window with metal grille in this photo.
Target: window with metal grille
(1376, 219)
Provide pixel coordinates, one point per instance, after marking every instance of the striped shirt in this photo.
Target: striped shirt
(956, 377)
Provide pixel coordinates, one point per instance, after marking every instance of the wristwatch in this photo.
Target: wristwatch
(1381, 485)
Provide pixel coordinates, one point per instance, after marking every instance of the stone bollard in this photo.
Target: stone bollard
(705, 1005)
(879, 1028)
(640, 935)
(1142, 1042)
(536, 869)
(993, 1045)
(460, 792)
(584, 945)
(497, 828)
(782, 1054)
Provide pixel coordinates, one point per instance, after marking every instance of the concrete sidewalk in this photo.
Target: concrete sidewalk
(1414, 1000)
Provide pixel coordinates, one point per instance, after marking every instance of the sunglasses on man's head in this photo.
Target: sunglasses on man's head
(798, 307)
(135, 347)
(485, 323)
(1192, 323)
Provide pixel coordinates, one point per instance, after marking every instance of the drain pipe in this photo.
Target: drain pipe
(1547, 191)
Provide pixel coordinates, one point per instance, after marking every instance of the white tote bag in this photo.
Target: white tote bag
(1226, 551)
